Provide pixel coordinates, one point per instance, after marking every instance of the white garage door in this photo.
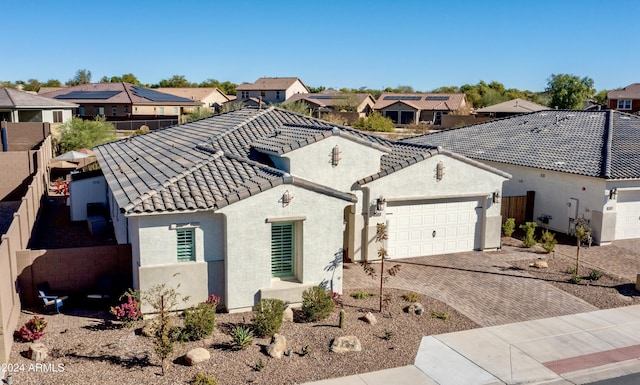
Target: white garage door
(628, 215)
(434, 228)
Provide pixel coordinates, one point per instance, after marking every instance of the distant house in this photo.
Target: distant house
(511, 107)
(419, 107)
(22, 107)
(121, 101)
(209, 97)
(271, 90)
(332, 101)
(626, 99)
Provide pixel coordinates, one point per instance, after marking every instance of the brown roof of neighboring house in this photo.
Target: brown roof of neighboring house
(331, 98)
(516, 106)
(116, 93)
(193, 93)
(420, 101)
(265, 84)
(10, 98)
(632, 91)
(44, 90)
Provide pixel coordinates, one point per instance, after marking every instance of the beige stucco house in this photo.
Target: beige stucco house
(210, 98)
(332, 101)
(271, 90)
(417, 108)
(23, 107)
(260, 203)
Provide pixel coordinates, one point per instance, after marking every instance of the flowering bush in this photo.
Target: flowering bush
(127, 312)
(213, 300)
(33, 329)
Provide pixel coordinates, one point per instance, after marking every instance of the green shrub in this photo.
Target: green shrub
(242, 337)
(203, 379)
(388, 334)
(317, 303)
(375, 122)
(529, 233)
(571, 270)
(548, 241)
(443, 315)
(259, 366)
(362, 294)
(509, 226)
(575, 278)
(595, 274)
(411, 297)
(267, 316)
(199, 322)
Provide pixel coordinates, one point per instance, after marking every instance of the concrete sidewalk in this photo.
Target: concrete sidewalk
(569, 349)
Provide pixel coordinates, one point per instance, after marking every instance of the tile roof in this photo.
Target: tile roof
(212, 162)
(516, 106)
(601, 144)
(330, 99)
(632, 91)
(10, 98)
(269, 84)
(116, 93)
(421, 101)
(193, 93)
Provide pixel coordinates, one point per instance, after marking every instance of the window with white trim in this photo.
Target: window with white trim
(186, 244)
(282, 249)
(244, 94)
(624, 104)
(57, 116)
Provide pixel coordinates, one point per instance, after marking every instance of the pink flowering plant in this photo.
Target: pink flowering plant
(33, 330)
(128, 312)
(213, 300)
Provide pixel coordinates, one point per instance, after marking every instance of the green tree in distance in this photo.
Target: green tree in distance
(374, 122)
(568, 92)
(226, 87)
(176, 81)
(83, 76)
(78, 133)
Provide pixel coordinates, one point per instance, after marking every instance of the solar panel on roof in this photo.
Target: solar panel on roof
(156, 96)
(88, 95)
(436, 98)
(390, 97)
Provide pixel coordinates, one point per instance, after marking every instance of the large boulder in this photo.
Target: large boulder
(37, 352)
(370, 318)
(346, 344)
(196, 356)
(287, 315)
(415, 308)
(278, 346)
(541, 264)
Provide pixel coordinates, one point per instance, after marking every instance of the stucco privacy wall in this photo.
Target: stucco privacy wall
(553, 190)
(419, 182)
(248, 262)
(81, 192)
(157, 255)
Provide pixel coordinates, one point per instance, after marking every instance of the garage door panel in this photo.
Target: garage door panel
(628, 215)
(411, 228)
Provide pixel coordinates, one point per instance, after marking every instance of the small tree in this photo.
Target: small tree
(583, 233)
(509, 226)
(381, 237)
(78, 133)
(529, 233)
(163, 300)
(375, 122)
(548, 240)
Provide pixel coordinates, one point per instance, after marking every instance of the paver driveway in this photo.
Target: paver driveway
(480, 285)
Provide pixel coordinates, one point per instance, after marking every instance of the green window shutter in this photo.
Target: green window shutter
(186, 242)
(282, 249)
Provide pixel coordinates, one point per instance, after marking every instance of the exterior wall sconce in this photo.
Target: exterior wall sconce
(613, 194)
(287, 197)
(380, 204)
(496, 197)
(439, 171)
(335, 156)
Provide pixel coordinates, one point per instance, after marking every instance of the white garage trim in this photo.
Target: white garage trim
(433, 227)
(628, 214)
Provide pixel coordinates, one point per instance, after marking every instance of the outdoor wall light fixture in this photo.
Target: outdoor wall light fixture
(380, 203)
(613, 194)
(9, 380)
(335, 156)
(496, 196)
(287, 197)
(439, 171)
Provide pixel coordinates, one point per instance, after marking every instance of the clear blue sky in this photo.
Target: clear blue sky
(423, 43)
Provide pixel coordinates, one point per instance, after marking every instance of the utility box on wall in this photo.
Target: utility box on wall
(572, 208)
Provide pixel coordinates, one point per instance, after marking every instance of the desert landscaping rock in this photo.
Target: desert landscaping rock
(346, 344)
(287, 316)
(37, 352)
(196, 356)
(370, 318)
(415, 308)
(278, 346)
(149, 329)
(541, 264)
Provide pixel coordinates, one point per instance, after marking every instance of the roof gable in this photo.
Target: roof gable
(632, 91)
(516, 106)
(12, 99)
(423, 101)
(601, 144)
(270, 84)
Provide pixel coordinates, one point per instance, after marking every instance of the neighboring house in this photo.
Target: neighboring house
(509, 108)
(209, 97)
(626, 99)
(271, 90)
(578, 164)
(264, 203)
(332, 101)
(121, 101)
(419, 107)
(21, 107)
